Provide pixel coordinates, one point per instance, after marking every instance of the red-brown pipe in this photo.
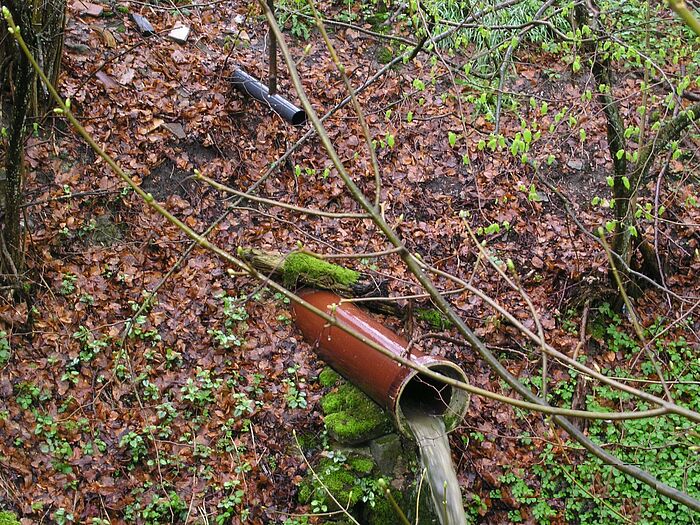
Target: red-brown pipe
(389, 383)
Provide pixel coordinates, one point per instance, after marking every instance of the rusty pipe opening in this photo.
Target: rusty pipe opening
(431, 396)
(395, 387)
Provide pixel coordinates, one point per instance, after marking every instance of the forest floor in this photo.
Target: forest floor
(199, 400)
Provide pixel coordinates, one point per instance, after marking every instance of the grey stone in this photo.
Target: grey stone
(575, 164)
(142, 24)
(89, 9)
(176, 129)
(179, 34)
(386, 451)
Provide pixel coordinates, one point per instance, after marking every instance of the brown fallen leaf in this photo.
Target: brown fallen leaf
(107, 80)
(107, 36)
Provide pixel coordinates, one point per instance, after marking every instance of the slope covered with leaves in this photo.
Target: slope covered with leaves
(119, 407)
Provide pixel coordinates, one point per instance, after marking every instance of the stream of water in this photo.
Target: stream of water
(430, 434)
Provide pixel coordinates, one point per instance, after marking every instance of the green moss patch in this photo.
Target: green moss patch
(434, 318)
(8, 518)
(384, 54)
(362, 465)
(302, 267)
(339, 479)
(328, 377)
(352, 417)
(383, 513)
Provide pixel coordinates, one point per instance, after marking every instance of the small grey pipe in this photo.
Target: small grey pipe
(259, 91)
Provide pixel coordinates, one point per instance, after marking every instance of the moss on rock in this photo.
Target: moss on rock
(339, 479)
(383, 513)
(8, 518)
(309, 269)
(384, 54)
(352, 417)
(328, 377)
(362, 465)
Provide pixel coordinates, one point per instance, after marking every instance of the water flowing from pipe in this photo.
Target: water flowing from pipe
(431, 436)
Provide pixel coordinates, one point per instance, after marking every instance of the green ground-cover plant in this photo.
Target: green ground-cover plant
(234, 325)
(496, 29)
(151, 198)
(589, 492)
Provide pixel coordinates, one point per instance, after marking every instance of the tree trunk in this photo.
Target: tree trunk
(42, 24)
(628, 178)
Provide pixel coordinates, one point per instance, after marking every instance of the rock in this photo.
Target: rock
(233, 26)
(78, 47)
(179, 33)
(143, 25)
(176, 129)
(386, 451)
(87, 8)
(352, 417)
(243, 40)
(5, 388)
(575, 164)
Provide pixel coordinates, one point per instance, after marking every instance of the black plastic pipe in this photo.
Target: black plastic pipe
(280, 105)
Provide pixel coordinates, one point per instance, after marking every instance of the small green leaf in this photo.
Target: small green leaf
(576, 66)
(610, 180)
(492, 228)
(626, 182)
(452, 138)
(544, 108)
(409, 117)
(620, 153)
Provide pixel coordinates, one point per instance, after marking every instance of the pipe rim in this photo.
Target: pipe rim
(453, 413)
